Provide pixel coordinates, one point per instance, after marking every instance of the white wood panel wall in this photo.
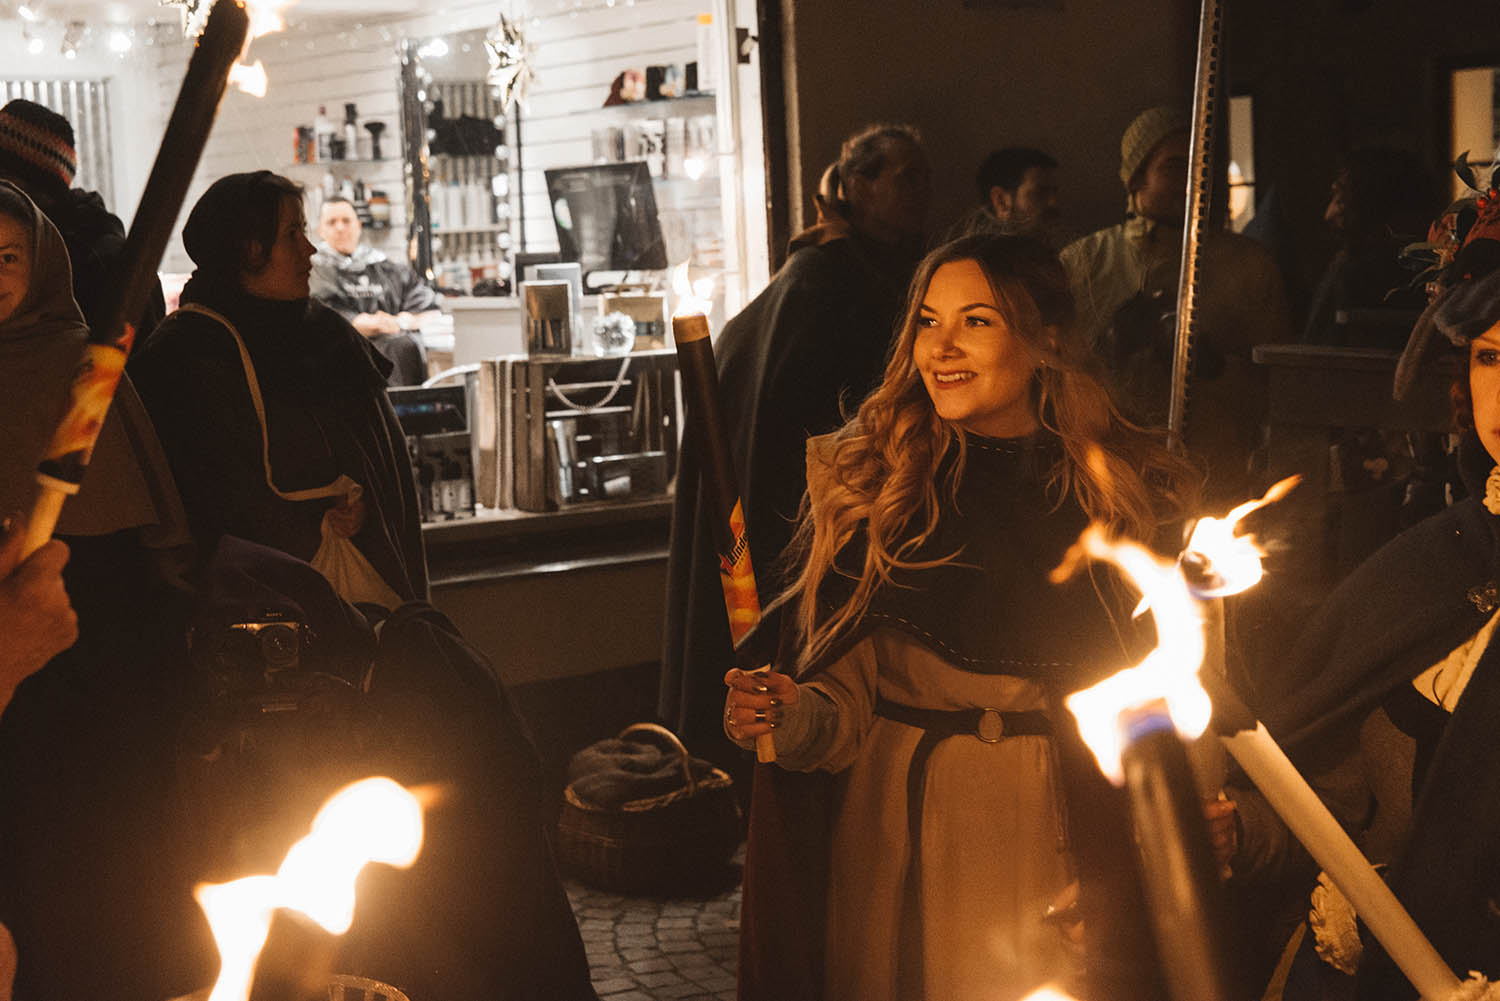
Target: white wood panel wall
(580, 46)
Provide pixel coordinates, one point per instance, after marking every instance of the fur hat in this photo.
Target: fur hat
(36, 146)
(1145, 134)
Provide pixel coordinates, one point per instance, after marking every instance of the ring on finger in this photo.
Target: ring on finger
(760, 715)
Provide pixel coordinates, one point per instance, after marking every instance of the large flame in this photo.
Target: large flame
(694, 297)
(1049, 993)
(1168, 674)
(1222, 563)
(1225, 563)
(374, 820)
(265, 17)
(250, 79)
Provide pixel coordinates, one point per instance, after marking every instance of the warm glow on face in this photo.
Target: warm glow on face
(1227, 563)
(693, 297)
(1168, 674)
(374, 820)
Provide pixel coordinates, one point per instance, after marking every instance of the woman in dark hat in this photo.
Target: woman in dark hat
(270, 406)
(1412, 632)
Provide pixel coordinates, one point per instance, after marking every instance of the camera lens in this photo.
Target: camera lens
(279, 646)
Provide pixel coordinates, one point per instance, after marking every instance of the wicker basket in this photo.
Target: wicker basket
(666, 843)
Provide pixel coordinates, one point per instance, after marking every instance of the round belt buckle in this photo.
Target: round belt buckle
(991, 726)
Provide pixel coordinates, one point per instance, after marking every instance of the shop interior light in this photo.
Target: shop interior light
(435, 49)
(119, 42)
(27, 12)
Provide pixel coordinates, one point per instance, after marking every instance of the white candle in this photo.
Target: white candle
(1302, 810)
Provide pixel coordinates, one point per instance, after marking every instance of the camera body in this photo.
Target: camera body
(255, 661)
(276, 644)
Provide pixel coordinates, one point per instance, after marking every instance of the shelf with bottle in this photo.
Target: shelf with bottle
(701, 102)
(468, 265)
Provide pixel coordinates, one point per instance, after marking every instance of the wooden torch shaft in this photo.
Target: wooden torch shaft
(719, 485)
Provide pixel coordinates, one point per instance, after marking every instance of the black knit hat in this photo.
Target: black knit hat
(36, 146)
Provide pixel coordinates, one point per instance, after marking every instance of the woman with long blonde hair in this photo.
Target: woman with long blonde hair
(927, 652)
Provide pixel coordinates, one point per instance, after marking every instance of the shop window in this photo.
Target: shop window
(1475, 118)
(1241, 162)
(85, 104)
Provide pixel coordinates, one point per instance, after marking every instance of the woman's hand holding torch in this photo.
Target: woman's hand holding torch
(720, 489)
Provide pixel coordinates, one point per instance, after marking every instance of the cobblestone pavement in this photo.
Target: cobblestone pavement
(644, 949)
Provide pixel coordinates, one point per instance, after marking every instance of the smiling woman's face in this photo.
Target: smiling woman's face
(15, 265)
(975, 367)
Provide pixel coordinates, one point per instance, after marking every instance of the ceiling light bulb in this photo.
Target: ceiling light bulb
(35, 45)
(27, 11)
(119, 42)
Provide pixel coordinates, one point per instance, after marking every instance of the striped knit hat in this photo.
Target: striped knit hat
(36, 146)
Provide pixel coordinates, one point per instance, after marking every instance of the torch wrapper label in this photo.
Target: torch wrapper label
(94, 386)
(741, 600)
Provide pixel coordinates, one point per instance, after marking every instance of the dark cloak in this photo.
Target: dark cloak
(1402, 611)
(808, 348)
(326, 415)
(994, 612)
(96, 908)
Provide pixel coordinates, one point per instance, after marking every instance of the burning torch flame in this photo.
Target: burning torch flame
(264, 19)
(1169, 673)
(1048, 993)
(374, 820)
(1227, 564)
(249, 79)
(692, 296)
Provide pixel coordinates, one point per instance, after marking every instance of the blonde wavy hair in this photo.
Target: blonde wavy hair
(882, 467)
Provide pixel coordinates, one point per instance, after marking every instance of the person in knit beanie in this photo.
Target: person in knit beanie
(1125, 278)
(37, 148)
(38, 154)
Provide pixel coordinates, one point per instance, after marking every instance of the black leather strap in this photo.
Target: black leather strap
(986, 724)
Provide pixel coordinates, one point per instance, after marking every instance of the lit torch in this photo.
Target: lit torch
(720, 486)
(374, 820)
(67, 457)
(1221, 563)
(1131, 722)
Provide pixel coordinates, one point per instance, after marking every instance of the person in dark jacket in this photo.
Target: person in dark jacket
(1411, 632)
(266, 399)
(98, 906)
(790, 363)
(262, 398)
(38, 155)
(384, 299)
